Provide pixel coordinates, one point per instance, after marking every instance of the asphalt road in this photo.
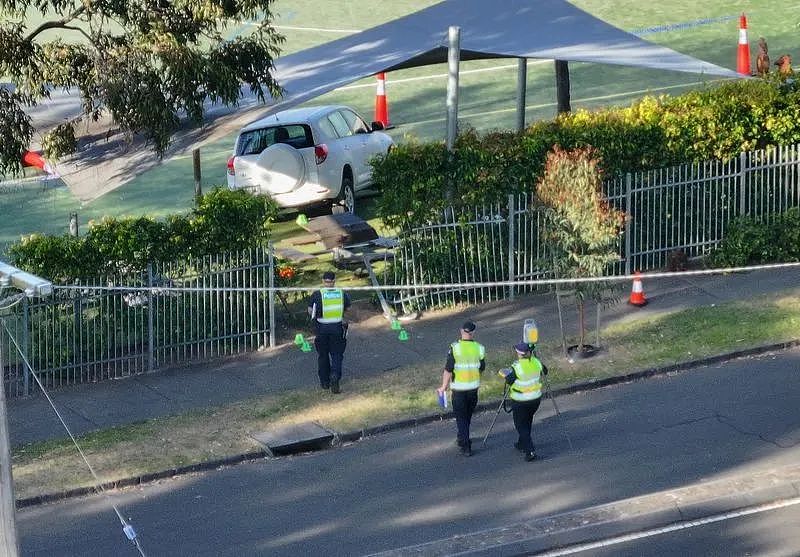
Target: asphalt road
(771, 533)
(409, 487)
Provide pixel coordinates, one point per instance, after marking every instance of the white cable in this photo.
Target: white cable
(127, 528)
(12, 301)
(448, 285)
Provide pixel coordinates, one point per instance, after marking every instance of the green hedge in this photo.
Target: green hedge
(714, 123)
(222, 221)
(749, 242)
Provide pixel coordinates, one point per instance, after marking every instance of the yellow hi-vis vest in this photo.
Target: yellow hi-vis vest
(467, 355)
(332, 305)
(528, 385)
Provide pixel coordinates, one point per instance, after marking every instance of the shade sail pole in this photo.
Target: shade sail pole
(522, 91)
(453, 59)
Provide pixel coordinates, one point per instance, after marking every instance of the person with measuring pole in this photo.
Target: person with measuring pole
(462, 373)
(326, 308)
(524, 381)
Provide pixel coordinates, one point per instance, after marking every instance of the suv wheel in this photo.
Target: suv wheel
(346, 202)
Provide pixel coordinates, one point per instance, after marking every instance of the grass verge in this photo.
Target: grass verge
(215, 433)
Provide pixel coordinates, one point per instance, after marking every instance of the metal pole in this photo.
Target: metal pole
(271, 295)
(453, 59)
(73, 225)
(742, 179)
(511, 238)
(26, 374)
(628, 222)
(522, 88)
(150, 335)
(198, 192)
(9, 545)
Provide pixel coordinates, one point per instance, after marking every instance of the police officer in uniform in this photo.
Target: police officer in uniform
(525, 384)
(462, 373)
(326, 308)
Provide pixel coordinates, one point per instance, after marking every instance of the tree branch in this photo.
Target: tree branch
(58, 24)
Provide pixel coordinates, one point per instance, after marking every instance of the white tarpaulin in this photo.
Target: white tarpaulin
(538, 29)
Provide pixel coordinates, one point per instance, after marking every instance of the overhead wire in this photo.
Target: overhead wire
(160, 289)
(127, 528)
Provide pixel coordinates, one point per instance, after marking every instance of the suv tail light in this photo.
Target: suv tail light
(231, 170)
(321, 152)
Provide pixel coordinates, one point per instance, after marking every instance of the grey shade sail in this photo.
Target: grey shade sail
(540, 29)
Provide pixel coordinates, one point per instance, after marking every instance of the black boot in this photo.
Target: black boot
(335, 387)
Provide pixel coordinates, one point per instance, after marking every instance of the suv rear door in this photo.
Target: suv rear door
(275, 159)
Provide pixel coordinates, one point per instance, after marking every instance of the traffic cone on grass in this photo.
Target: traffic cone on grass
(381, 105)
(743, 54)
(637, 292)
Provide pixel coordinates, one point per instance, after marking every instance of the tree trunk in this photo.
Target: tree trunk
(562, 86)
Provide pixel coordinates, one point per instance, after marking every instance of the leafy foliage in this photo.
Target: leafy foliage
(223, 221)
(749, 242)
(655, 132)
(582, 227)
(146, 62)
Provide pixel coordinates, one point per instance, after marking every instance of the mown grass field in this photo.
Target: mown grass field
(417, 97)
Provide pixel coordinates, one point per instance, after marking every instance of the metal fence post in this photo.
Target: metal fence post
(511, 234)
(271, 295)
(742, 174)
(26, 372)
(150, 333)
(628, 222)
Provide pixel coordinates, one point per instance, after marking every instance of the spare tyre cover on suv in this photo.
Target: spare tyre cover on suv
(282, 169)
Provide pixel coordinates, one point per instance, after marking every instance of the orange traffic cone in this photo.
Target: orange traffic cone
(743, 55)
(381, 106)
(32, 158)
(637, 292)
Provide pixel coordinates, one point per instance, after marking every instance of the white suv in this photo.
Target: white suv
(308, 156)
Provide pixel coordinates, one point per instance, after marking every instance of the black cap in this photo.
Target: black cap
(522, 348)
(468, 327)
(328, 275)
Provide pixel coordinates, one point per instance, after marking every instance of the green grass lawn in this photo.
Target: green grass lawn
(417, 106)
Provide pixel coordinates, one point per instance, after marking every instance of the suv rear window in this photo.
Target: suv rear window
(254, 141)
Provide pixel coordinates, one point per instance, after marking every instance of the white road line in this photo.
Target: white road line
(296, 28)
(442, 75)
(317, 29)
(670, 528)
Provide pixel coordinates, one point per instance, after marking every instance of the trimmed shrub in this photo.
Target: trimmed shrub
(223, 221)
(714, 123)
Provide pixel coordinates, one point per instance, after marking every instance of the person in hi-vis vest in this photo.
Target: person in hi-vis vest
(326, 308)
(462, 373)
(525, 392)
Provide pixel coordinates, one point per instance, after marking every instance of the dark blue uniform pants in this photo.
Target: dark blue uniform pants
(330, 344)
(523, 412)
(464, 403)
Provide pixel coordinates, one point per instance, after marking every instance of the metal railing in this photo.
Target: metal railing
(685, 208)
(100, 331)
(94, 333)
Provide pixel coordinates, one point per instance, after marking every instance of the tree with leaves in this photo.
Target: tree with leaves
(146, 63)
(582, 228)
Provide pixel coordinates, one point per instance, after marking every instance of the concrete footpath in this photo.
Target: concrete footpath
(373, 348)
